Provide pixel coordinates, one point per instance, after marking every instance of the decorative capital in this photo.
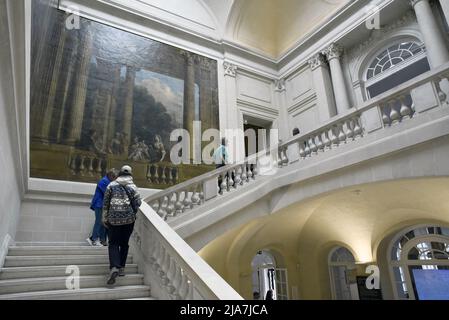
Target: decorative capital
(230, 69)
(279, 85)
(188, 56)
(317, 61)
(414, 2)
(334, 51)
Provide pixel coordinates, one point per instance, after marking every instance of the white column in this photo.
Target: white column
(437, 51)
(323, 87)
(333, 54)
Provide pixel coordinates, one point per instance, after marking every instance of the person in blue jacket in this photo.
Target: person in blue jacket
(99, 232)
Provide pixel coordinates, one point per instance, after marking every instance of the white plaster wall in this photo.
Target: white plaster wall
(10, 191)
(301, 101)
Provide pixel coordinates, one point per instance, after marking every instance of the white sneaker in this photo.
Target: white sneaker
(90, 242)
(97, 244)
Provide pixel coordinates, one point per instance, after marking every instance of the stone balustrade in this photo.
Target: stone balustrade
(162, 174)
(173, 268)
(86, 164)
(195, 192)
(409, 100)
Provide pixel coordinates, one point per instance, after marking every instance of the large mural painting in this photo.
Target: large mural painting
(102, 97)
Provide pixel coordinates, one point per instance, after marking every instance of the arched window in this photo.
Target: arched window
(268, 276)
(341, 266)
(419, 260)
(398, 63)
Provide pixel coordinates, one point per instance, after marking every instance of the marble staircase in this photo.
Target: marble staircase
(46, 273)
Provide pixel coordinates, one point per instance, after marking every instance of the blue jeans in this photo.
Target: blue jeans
(99, 232)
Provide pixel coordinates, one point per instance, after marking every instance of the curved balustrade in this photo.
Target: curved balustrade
(388, 109)
(176, 271)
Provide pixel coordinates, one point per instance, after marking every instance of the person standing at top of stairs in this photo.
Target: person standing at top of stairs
(99, 232)
(121, 203)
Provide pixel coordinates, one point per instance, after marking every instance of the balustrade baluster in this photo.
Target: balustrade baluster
(244, 175)
(170, 205)
(156, 175)
(187, 202)
(238, 177)
(312, 145)
(163, 177)
(249, 172)
(171, 275)
(327, 142)
(349, 130)
(195, 197)
(394, 114)
(230, 180)
(82, 167)
(307, 150)
(334, 138)
(179, 207)
(302, 152)
(320, 144)
(341, 134)
(442, 96)
(255, 172)
(91, 167)
(405, 111)
(357, 128)
(73, 165)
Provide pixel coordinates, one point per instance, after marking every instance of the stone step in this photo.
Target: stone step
(57, 271)
(144, 298)
(63, 260)
(101, 293)
(56, 250)
(59, 283)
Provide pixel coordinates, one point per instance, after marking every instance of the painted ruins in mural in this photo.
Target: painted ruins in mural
(102, 97)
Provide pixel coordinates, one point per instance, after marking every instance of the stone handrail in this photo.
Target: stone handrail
(388, 109)
(175, 270)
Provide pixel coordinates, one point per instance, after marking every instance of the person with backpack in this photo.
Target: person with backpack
(121, 203)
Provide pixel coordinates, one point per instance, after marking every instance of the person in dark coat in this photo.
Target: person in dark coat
(99, 232)
(121, 203)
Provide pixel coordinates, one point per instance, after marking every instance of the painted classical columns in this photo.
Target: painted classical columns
(76, 116)
(333, 54)
(49, 107)
(323, 87)
(129, 105)
(189, 92)
(437, 51)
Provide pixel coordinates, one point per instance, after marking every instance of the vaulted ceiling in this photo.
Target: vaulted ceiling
(267, 27)
(272, 27)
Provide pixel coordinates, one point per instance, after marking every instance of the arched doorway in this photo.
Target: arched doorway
(341, 265)
(419, 263)
(268, 276)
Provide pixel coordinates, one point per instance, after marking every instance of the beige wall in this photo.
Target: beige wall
(361, 218)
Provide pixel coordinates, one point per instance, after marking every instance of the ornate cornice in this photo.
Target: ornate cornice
(334, 51)
(230, 69)
(317, 61)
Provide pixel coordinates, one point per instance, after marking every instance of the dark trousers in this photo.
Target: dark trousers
(118, 245)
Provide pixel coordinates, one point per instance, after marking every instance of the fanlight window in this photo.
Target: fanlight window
(393, 56)
(421, 250)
